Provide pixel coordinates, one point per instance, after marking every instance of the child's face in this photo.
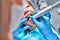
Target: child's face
(28, 12)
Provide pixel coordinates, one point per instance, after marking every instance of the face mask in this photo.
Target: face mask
(16, 14)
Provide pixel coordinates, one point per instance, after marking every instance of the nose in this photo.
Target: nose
(27, 14)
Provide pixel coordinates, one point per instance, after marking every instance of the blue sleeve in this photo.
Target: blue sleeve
(20, 36)
(17, 35)
(53, 36)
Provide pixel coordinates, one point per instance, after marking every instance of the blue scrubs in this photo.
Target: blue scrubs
(33, 35)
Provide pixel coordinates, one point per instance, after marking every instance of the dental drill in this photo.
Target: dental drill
(42, 12)
(49, 8)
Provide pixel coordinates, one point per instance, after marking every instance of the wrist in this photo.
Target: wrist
(51, 36)
(22, 35)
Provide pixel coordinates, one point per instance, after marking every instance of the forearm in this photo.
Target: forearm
(51, 36)
(20, 36)
(20, 32)
(48, 34)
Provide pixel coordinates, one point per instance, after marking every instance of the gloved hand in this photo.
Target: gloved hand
(20, 29)
(44, 26)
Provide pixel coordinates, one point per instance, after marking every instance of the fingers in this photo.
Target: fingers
(30, 23)
(22, 22)
(34, 20)
(46, 17)
(26, 27)
(32, 27)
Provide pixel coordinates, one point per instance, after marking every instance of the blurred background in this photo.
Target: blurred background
(6, 17)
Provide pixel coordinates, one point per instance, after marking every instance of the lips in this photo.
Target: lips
(27, 14)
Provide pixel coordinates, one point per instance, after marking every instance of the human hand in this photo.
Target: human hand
(29, 22)
(44, 26)
(21, 28)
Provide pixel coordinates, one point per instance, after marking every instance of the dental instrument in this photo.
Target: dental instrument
(42, 12)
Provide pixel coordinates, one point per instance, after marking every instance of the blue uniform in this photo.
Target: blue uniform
(34, 35)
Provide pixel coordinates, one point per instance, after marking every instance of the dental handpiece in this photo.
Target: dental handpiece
(42, 12)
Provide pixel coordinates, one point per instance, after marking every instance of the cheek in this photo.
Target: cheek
(30, 8)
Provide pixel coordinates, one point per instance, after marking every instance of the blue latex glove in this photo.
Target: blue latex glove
(20, 29)
(34, 35)
(45, 27)
(17, 34)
